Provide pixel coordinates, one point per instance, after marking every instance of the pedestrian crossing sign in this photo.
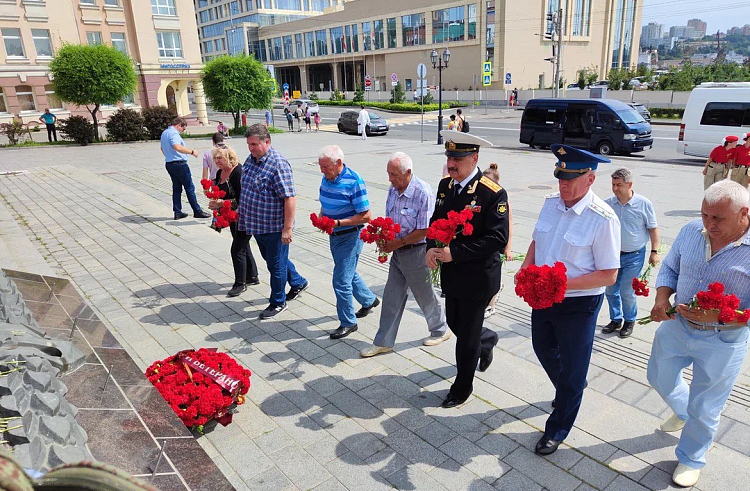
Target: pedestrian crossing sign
(486, 80)
(487, 67)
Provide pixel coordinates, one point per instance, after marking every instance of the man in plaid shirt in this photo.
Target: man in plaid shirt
(266, 211)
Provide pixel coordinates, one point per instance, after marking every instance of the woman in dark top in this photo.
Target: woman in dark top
(228, 179)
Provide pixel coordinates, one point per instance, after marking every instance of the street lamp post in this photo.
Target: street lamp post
(440, 63)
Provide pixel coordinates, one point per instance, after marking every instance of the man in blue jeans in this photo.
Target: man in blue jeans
(638, 225)
(343, 197)
(174, 150)
(267, 206)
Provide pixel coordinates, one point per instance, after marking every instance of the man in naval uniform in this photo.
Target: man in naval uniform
(471, 266)
(579, 229)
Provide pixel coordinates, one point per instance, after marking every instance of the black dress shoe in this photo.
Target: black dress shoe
(546, 446)
(451, 401)
(366, 310)
(611, 327)
(627, 329)
(343, 332)
(236, 290)
(202, 214)
(254, 281)
(485, 360)
(180, 216)
(295, 291)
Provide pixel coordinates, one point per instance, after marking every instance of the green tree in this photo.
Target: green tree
(91, 76)
(397, 94)
(235, 84)
(359, 94)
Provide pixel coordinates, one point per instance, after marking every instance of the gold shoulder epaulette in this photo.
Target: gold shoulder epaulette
(494, 187)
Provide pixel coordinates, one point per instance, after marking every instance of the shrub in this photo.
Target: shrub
(157, 119)
(78, 129)
(238, 131)
(407, 107)
(12, 131)
(313, 96)
(126, 125)
(397, 94)
(359, 94)
(666, 112)
(337, 95)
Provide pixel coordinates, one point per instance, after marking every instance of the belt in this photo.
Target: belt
(347, 231)
(701, 327)
(411, 246)
(178, 162)
(717, 164)
(623, 253)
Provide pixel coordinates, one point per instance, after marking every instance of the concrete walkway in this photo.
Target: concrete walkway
(319, 417)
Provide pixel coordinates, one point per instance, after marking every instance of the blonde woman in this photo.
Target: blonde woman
(228, 179)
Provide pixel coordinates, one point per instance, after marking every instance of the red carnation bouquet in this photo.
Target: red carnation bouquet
(444, 230)
(542, 286)
(714, 299)
(207, 184)
(323, 223)
(224, 216)
(214, 192)
(640, 284)
(379, 231)
(201, 385)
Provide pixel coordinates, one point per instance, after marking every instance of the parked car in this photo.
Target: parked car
(605, 126)
(713, 111)
(573, 87)
(348, 123)
(310, 103)
(642, 110)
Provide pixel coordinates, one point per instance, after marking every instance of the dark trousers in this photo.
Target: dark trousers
(465, 319)
(51, 131)
(291, 124)
(563, 336)
(181, 178)
(282, 270)
(243, 261)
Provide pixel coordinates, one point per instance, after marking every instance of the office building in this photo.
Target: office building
(651, 35)
(161, 39)
(388, 39)
(699, 28)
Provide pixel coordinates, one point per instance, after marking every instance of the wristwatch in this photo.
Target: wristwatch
(654, 251)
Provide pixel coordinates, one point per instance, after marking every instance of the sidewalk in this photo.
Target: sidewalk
(318, 416)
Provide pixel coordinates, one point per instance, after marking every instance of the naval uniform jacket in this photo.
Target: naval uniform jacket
(475, 272)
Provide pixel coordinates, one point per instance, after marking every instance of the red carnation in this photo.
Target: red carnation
(206, 183)
(444, 230)
(379, 231)
(542, 286)
(323, 223)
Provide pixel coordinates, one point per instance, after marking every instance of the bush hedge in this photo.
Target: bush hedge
(240, 131)
(78, 129)
(406, 107)
(157, 119)
(666, 112)
(126, 125)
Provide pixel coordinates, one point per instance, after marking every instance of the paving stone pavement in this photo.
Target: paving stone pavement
(318, 416)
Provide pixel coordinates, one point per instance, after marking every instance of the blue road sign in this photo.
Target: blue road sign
(487, 67)
(285, 86)
(486, 80)
(507, 78)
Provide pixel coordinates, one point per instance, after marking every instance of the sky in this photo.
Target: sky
(719, 14)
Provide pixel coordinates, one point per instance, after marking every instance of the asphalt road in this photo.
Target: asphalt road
(502, 129)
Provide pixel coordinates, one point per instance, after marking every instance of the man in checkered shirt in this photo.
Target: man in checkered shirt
(266, 211)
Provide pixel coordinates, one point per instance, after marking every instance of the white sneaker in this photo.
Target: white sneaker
(489, 311)
(672, 424)
(685, 476)
(435, 340)
(374, 350)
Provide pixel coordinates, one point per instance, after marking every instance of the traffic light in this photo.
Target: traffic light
(548, 36)
(551, 59)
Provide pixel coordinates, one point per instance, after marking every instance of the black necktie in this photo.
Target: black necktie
(456, 190)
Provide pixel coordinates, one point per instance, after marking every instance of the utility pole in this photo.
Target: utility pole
(554, 34)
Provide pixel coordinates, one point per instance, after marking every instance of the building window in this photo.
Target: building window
(275, 49)
(112, 3)
(129, 100)
(413, 30)
(53, 102)
(94, 38)
(163, 7)
(208, 47)
(288, 48)
(378, 39)
(392, 32)
(473, 21)
(310, 44)
(552, 7)
(627, 38)
(170, 44)
(355, 39)
(338, 45)
(25, 98)
(319, 5)
(42, 42)
(259, 50)
(618, 34)
(87, 2)
(489, 53)
(581, 17)
(448, 25)
(298, 46)
(320, 42)
(367, 36)
(3, 104)
(288, 4)
(13, 42)
(118, 42)
(249, 5)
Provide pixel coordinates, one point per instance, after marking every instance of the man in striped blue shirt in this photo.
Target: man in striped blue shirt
(714, 250)
(343, 197)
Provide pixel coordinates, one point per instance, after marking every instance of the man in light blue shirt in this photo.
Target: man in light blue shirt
(716, 249)
(174, 150)
(637, 225)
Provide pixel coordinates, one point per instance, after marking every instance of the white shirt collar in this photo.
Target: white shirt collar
(466, 181)
(580, 206)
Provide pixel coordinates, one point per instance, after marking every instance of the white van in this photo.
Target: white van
(714, 110)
